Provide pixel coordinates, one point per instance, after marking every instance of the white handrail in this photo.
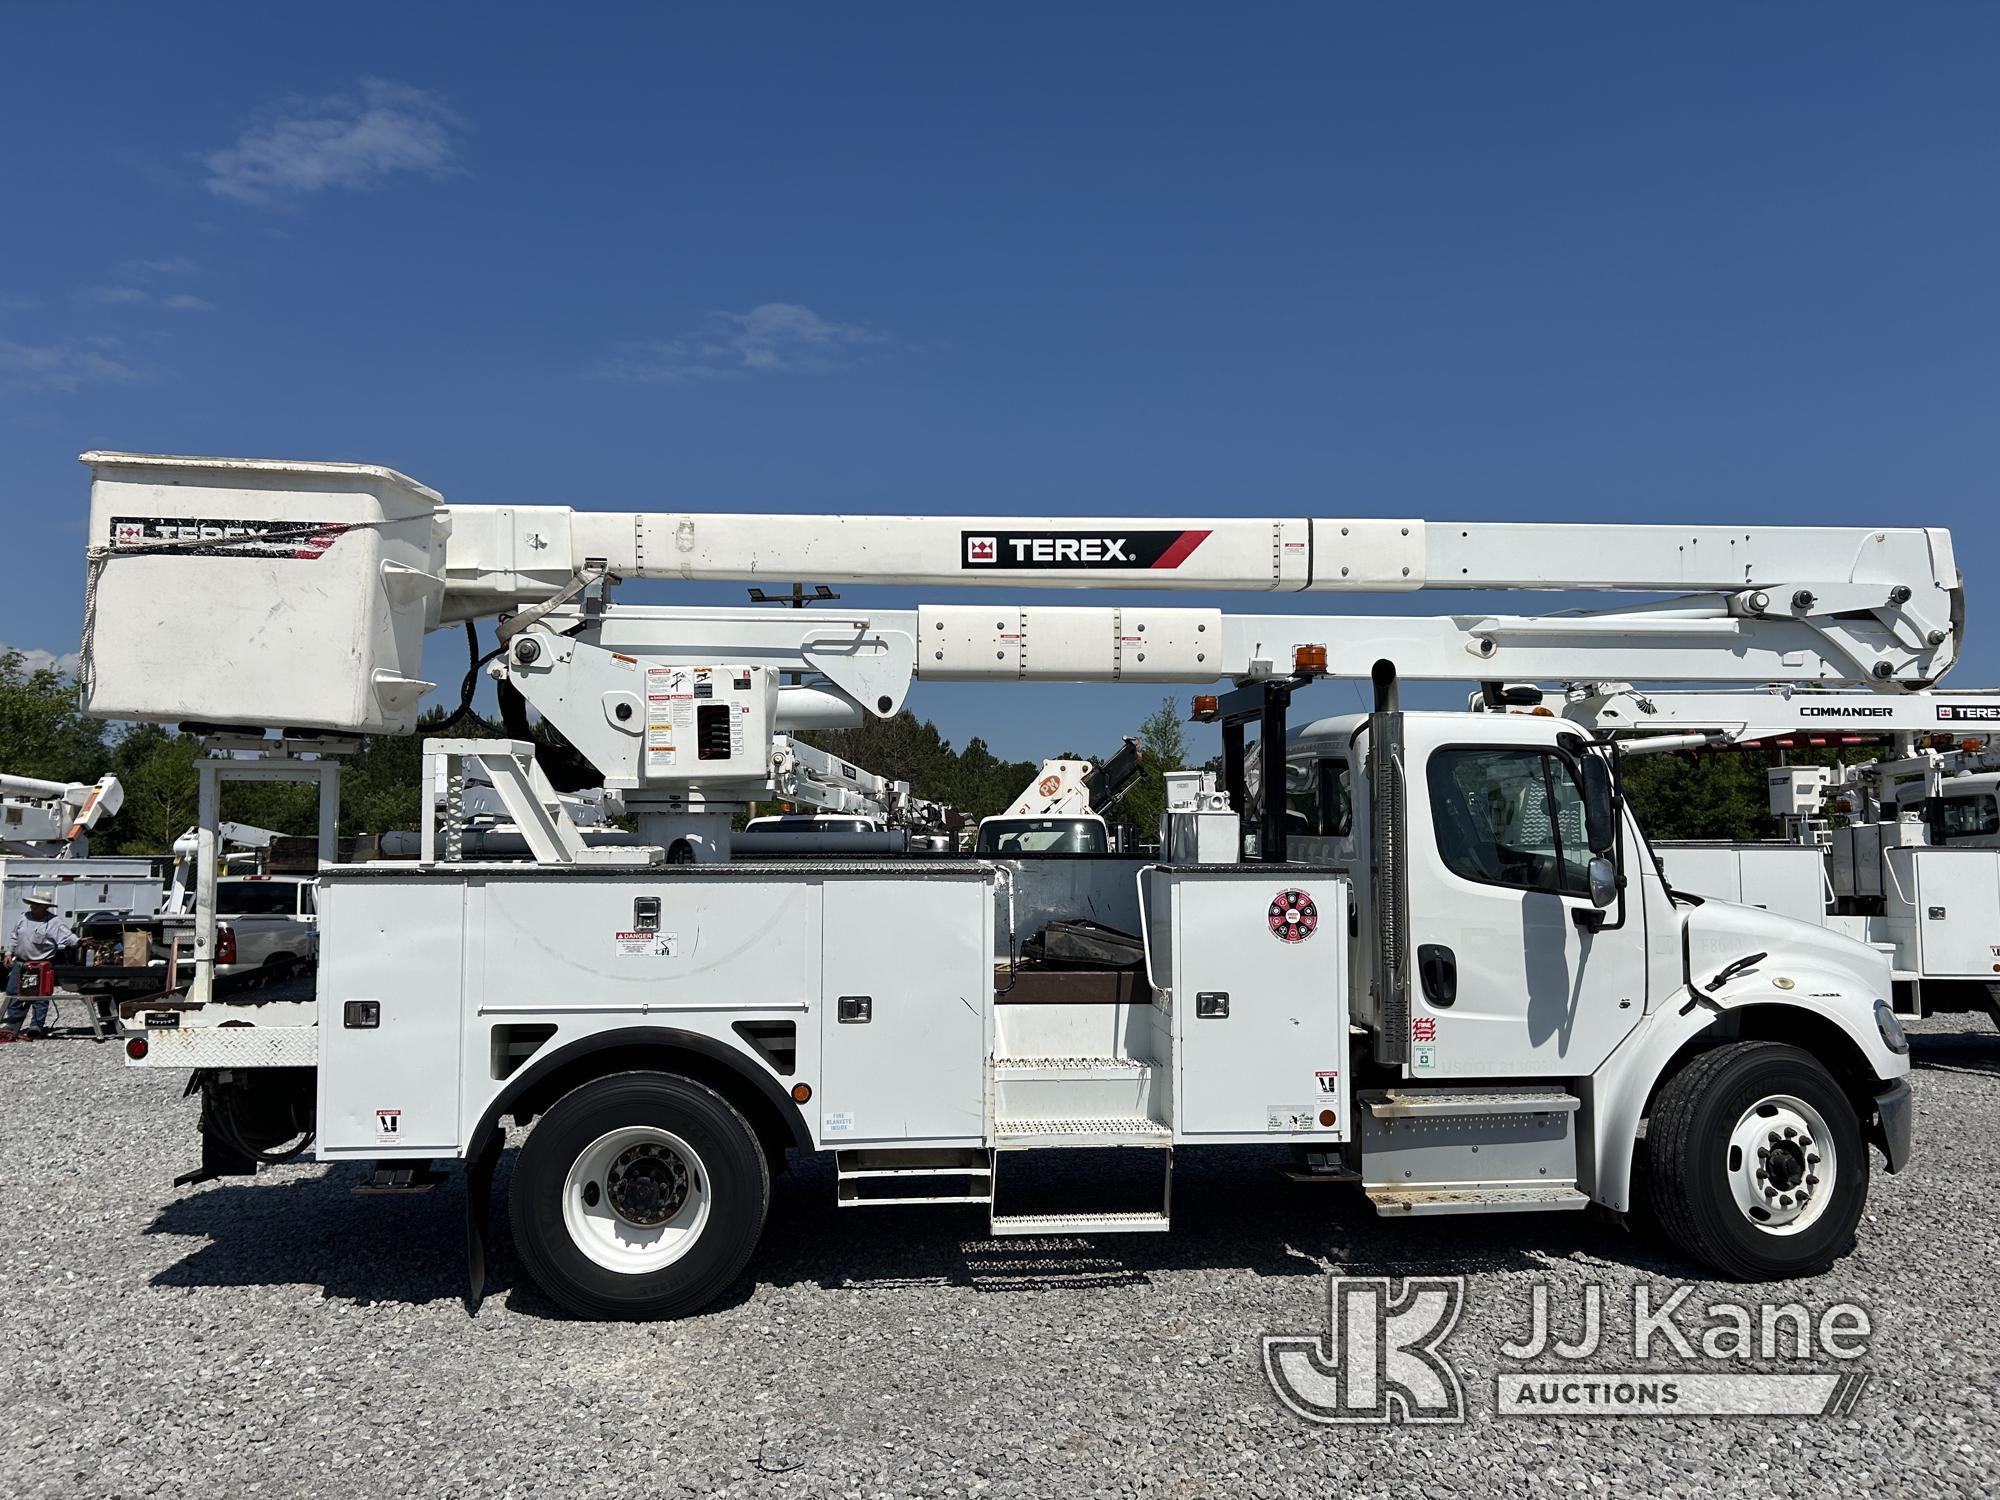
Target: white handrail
(1145, 933)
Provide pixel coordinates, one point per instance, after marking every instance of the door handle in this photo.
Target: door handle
(1437, 967)
(855, 1010)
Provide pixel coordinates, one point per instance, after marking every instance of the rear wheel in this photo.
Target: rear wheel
(1756, 1162)
(640, 1195)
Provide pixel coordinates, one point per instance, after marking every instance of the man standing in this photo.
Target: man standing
(35, 939)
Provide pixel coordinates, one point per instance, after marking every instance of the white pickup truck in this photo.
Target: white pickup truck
(266, 929)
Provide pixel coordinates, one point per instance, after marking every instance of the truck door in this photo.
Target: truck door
(1505, 981)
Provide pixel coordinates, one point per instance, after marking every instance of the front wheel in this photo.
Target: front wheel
(1756, 1162)
(640, 1195)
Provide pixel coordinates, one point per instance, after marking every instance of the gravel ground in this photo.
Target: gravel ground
(282, 1337)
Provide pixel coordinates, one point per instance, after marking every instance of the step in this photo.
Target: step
(1024, 1069)
(1109, 1130)
(890, 1178)
(1405, 1104)
(1143, 1221)
(1486, 1200)
(403, 1177)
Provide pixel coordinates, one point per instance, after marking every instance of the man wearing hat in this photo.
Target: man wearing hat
(36, 937)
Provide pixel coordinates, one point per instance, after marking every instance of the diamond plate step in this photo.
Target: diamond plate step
(1107, 1131)
(1495, 1200)
(1403, 1104)
(1140, 1222)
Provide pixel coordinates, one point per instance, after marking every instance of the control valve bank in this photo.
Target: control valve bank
(1446, 971)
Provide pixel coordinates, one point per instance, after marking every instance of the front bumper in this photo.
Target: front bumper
(1894, 1116)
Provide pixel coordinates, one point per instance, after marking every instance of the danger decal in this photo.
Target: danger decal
(1016, 550)
(1424, 1029)
(1292, 916)
(194, 536)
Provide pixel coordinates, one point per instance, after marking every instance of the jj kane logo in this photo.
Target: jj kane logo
(1079, 550)
(1382, 1356)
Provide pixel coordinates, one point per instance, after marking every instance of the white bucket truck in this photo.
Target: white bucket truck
(1474, 994)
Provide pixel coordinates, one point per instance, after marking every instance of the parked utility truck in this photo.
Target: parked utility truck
(1466, 991)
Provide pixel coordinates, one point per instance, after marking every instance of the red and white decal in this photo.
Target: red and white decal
(1292, 917)
(195, 536)
(1079, 551)
(1424, 1029)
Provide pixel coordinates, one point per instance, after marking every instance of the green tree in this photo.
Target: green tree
(42, 731)
(1165, 744)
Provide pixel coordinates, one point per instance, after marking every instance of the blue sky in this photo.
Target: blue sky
(1538, 262)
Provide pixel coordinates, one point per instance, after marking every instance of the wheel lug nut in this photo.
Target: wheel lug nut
(1789, 1132)
(1760, 1174)
(1812, 1182)
(1763, 1153)
(1775, 1137)
(1812, 1161)
(1786, 1201)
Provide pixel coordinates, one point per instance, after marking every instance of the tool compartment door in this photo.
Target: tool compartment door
(1259, 981)
(908, 961)
(390, 1089)
(1958, 911)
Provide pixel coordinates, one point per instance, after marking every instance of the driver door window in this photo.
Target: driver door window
(1511, 818)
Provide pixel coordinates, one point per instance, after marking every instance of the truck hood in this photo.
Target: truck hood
(1718, 933)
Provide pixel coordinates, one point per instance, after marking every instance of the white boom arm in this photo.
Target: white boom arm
(35, 814)
(1670, 720)
(317, 583)
(806, 774)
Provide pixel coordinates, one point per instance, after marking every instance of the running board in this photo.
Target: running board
(1493, 1200)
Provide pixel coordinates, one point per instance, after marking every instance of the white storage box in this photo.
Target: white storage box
(257, 593)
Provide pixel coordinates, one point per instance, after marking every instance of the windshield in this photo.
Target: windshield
(238, 898)
(1042, 836)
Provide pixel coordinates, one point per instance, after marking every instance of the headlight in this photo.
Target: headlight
(1891, 1029)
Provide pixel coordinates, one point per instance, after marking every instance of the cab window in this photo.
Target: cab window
(1319, 800)
(1512, 818)
(1971, 817)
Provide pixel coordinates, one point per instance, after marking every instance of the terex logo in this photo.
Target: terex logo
(1965, 712)
(1069, 549)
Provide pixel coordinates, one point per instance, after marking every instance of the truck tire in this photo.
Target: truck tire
(638, 1195)
(1756, 1162)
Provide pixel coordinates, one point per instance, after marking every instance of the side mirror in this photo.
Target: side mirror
(1603, 882)
(1600, 802)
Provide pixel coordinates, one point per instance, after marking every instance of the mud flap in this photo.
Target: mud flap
(478, 1208)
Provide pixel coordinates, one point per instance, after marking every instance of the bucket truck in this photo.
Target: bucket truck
(1478, 997)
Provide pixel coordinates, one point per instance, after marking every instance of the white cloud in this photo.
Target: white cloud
(111, 296)
(771, 338)
(146, 270)
(66, 366)
(182, 302)
(354, 141)
(34, 659)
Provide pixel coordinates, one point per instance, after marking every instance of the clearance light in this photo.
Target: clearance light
(1326, 1117)
(1205, 707)
(137, 1047)
(802, 1092)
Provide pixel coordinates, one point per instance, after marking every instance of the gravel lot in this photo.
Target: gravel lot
(282, 1337)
